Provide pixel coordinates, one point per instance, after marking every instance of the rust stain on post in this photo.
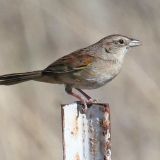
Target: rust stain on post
(77, 157)
(74, 131)
(86, 136)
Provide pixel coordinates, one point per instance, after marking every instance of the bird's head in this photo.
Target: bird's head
(118, 44)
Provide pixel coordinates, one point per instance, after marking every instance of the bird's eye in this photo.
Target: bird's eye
(121, 41)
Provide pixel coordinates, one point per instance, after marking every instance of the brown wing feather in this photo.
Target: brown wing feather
(70, 63)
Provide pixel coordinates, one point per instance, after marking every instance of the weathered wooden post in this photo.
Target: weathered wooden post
(86, 136)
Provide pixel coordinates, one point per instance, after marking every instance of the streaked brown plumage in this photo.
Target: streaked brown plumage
(87, 68)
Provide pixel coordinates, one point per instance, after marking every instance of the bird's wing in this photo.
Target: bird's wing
(70, 63)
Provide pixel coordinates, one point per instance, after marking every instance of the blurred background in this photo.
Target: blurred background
(34, 33)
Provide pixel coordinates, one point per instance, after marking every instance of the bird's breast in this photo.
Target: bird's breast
(99, 73)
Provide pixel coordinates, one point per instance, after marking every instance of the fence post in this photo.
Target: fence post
(86, 136)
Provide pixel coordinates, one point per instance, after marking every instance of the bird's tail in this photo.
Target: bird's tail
(10, 79)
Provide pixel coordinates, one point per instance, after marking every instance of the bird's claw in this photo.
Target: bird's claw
(86, 103)
(91, 101)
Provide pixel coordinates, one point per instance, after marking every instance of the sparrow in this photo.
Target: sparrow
(87, 68)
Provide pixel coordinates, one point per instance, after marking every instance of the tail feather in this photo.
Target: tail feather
(10, 79)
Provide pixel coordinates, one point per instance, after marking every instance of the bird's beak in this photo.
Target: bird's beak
(134, 43)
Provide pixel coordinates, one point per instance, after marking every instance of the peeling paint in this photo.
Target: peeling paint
(74, 131)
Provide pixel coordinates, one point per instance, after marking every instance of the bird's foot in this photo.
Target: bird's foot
(91, 101)
(87, 103)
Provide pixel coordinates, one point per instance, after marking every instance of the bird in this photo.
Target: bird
(87, 68)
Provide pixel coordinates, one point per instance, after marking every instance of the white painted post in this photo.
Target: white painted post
(86, 136)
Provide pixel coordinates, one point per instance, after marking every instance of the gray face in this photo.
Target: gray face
(118, 44)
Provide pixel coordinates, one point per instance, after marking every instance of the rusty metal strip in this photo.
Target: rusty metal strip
(86, 136)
